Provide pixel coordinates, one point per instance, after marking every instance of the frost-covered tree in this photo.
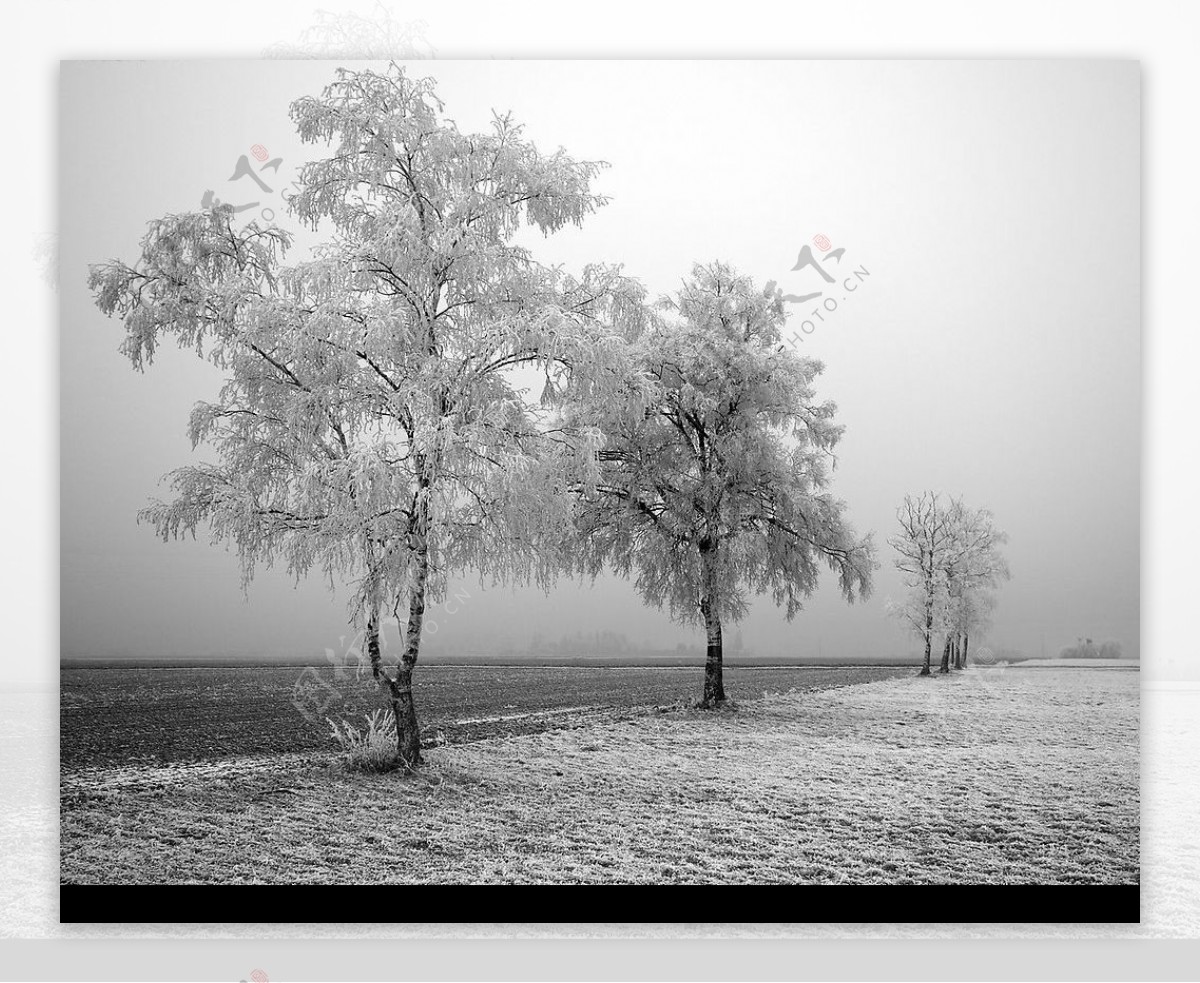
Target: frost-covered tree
(922, 548)
(714, 481)
(949, 556)
(370, 426)
(972, 616)
(972, 568)
(923, 610)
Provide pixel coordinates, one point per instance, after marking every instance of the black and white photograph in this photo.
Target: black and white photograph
(577, 473)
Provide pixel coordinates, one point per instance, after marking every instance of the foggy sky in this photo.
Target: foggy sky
(993, 351)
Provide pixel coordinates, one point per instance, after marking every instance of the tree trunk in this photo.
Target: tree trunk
(928, 637)
(966, 643)
(373, 643)
(945, 666)
(956, 652)
(714, 683)
(408, 730)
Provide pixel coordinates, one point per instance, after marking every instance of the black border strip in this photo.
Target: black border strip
(478, 904)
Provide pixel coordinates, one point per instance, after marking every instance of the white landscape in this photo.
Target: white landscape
(425, 412)
(901, 781)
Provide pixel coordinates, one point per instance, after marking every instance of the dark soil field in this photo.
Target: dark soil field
(113, 716)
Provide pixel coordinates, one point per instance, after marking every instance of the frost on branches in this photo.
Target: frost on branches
(950, 557)
(369, 426)
(714, 486)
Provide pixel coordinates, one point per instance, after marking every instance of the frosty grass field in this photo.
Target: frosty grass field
(898, 780)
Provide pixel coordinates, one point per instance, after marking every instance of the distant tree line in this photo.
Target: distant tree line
(600, 643)
(583, 643)
(1085, 648)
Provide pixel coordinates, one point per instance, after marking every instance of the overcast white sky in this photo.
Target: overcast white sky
(993, 351)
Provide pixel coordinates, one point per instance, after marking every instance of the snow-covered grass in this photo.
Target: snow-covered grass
(371, 747)
(1078, 663)
(980, 776)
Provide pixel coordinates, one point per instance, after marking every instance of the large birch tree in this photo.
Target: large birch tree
(370, 426)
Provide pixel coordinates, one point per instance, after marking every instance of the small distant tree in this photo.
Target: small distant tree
(714, 483)
(370, 425)
(972, 616)
(923, 614)
(950, 557)
(972, 568)
(923, 547)
(1087, 649)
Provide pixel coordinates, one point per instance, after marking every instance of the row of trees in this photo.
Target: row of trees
(949, 555)
(373, 425)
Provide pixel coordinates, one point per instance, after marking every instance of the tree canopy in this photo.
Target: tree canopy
(715, 486)
(949, 555)
(370, 425)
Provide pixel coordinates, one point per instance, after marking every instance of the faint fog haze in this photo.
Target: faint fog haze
(993, 351)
